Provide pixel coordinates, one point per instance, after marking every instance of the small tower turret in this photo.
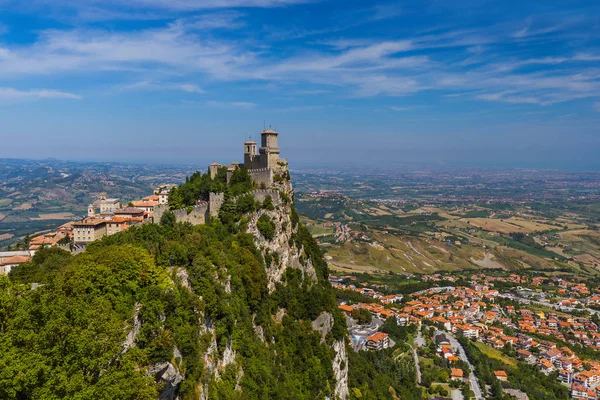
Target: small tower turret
(91, 211)
(214, 169)
(251, 160)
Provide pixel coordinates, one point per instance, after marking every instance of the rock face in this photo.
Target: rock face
(169, 375)
(323, 323)
(285, 254)
(340, 369)
(135, 329)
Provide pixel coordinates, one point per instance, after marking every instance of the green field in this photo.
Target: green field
(5, 202)
(495, 353)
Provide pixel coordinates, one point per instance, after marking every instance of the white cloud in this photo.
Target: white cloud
(149, 85)
(402, 108)
(231, 104)
(11, 94)
(596, 106)
(204, 4)
(216, 20)
(190, 88)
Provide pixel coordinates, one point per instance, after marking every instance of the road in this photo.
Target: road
(417, 366)
(463, 356)
(546, 304)
(457, 394)
(419, 340)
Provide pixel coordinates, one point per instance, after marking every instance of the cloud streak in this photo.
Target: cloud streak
(11, 94)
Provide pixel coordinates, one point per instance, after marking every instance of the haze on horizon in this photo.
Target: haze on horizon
(476, 83)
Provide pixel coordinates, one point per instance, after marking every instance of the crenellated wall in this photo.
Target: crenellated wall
(200, 213)
(262, 194)
(196, 217)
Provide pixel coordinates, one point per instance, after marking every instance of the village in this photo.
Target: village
(555, 329)
(105, 217)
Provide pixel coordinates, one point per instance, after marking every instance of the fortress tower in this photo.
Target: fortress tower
(269, 149)
(251, 158)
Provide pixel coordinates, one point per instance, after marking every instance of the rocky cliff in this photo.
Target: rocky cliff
(238, 308)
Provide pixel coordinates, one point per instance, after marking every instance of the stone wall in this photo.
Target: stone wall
(200, 213)
(262, 194)
(214, 203)
(196, 217)
(263, 176)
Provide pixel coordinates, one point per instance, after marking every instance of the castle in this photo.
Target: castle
(262, 163)
(264, 166)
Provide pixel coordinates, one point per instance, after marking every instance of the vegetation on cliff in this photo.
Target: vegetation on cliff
(195, 298)
(199, 186)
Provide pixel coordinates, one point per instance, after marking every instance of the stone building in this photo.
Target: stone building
(108, 206)
(262, 162)
(89, 230)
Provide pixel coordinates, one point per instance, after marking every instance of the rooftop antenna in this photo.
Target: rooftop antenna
(264, 125)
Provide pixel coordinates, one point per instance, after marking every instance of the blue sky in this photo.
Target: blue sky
(493, 83)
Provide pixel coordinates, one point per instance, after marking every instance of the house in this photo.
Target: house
(47, 240)
(441, 340)
(565, 376)
(346, 308)
(501, 375)
(467, 331)
(130, 212)
(378, 341)
(402, 319)
(546, 366)
(10, 259)
(456, 373)
(108, 206)
(581, 392)
(527, 356)
(145, 205)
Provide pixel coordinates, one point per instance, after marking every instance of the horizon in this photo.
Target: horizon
(307, 167)
(477, 84)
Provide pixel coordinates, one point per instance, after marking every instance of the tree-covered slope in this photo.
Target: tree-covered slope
(224, 310)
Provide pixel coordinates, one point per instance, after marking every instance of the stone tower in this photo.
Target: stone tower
(91, 211)
(213, 169)
(269, 149)
(251, 159)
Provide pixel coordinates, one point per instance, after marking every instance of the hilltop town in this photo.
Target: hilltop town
(108, 216)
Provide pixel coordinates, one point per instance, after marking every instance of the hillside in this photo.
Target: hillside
(379, 235)
(237, 308)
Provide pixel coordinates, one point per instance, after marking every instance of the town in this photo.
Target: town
(546, 322)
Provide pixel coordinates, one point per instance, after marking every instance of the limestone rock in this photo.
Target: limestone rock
(135, 330)
(167, 373)
(323, 323)
(340, 369)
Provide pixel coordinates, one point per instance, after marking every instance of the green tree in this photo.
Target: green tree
(266, 227)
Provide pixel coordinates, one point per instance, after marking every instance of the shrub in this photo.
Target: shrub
(266, 227)
(268, 203)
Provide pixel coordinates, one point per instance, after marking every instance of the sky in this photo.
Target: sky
(477, 83)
